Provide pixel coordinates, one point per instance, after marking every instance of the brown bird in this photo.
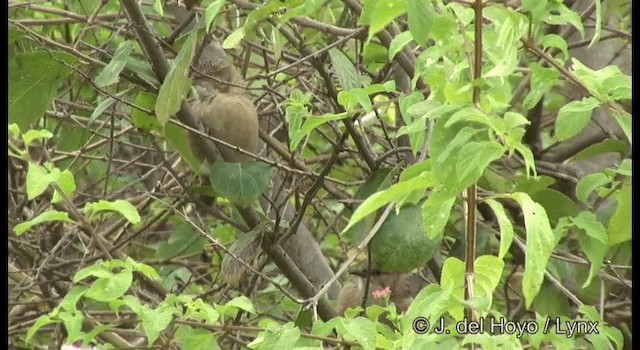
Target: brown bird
(222, 107)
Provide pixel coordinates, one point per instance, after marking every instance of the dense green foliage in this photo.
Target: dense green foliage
(372, 126)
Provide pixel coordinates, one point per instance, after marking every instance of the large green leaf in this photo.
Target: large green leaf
(590, 183)
(276, 336)
(177, 82)
(123, 207)
(154, 321)
(605, 146)
(394, 192)
(378, 180)
(473, 159)
(540, 244)
(377, 14)
(432, 302)
(111, 72)
(420, 15)
(241, 183)
(487, 273)
(506, 227)
(620, 224)
(110, 285)
(398, 43)
(436, 210)
(47, 216)
(573, 117)
(34, 78)
(348, 75)
(555, 203)
(196, 339)
(542, 80)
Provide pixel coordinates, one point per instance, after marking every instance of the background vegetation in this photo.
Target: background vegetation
(371, 110)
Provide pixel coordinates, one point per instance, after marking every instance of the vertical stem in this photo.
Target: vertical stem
(471, 191)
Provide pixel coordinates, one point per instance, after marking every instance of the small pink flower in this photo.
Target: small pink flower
(382, 293)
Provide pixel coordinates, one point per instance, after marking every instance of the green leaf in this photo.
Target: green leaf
(624, 168)
(487, 273)
(177, 82)
(277, 336)
(540, 244)
(436, 210)
(555, 40)
(102, 106)
(573, 117)
(605, 146)
(542, 80)
(432, 302)
(141, 119)
(143, 69)
(558, 14)
(398, 43)
(596, 252)
(110, 285)
(310, 123)
(489, 341)
(212, 11)
(587, 222)
(242, 303)
(529, 160)
(606, 84)
(47, 216)
(121, 206)
(588, 184)
(445, 150)
(488, 270)
(14, 130)
(156, 321)
(348, 76)
(420, 15)
(620, 224)
(31, 135)
(363, 331)
(96, 270)
(196, 339)
(624, 120)
(233, 39)
(461, 138)
(110, 74)
(40, 322)
(38, 179)
(72, 324)
(378, 180)
(70, 301)
(556, 203)
(185, 241)
(241, 183)
(535, 7)
(34, 78)
(506, 227)
(394, 192)
(473, 159)
(67, 183)
(380, 13)
(598, 29)
(157, 6)
(177, 138)
(146, 270)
